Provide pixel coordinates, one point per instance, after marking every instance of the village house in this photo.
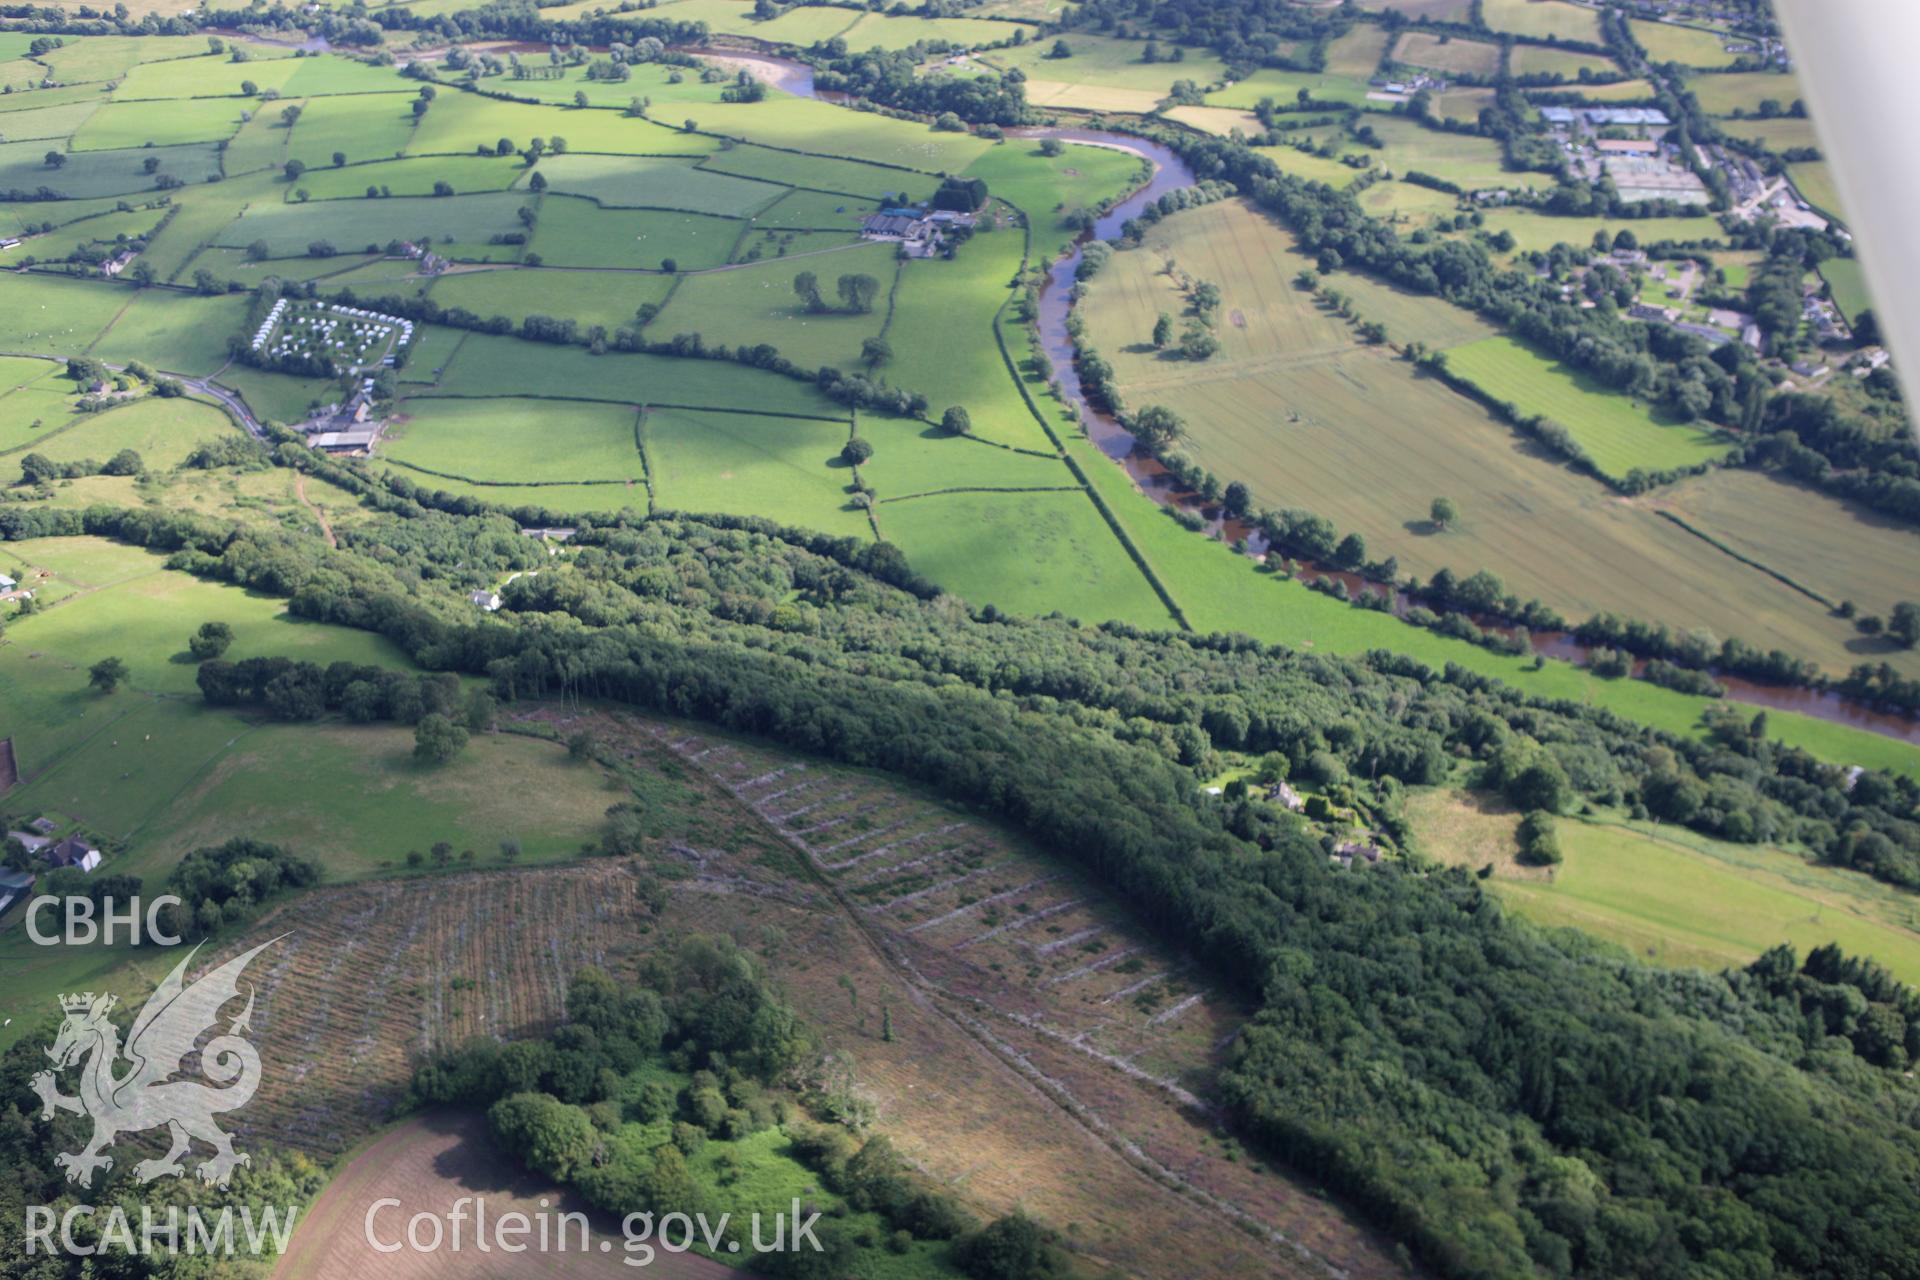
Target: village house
(1281, 793)
(72, 852)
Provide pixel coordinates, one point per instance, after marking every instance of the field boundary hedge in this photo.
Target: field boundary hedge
(985, 488)
(1745, 559)
(636, 404)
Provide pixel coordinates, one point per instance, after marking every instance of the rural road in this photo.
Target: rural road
(200, 386)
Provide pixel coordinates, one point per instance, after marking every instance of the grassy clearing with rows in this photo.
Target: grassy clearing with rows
(509, 440)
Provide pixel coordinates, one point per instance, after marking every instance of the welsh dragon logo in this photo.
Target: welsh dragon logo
(146, 1096)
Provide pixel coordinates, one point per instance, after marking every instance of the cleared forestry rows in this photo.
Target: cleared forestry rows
(368, 976)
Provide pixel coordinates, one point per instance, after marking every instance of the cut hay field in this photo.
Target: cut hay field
(1284, 88)
(1618, 432)
(654, 183)
(575, 232)
(1446, 53)
(1734, 93)
(1306, 418)
(785, 469)
(1630, 91)
(1540, 19)
(750, 305)
(1104, 73)
(1357, 54)
(1837, 549)
(608, 298)
(1672, 897)
(515, 441)
(1669, 42)
(807, 125)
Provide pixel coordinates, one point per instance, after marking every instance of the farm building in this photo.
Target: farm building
(7, 583)
(345, 441)
(72, 852)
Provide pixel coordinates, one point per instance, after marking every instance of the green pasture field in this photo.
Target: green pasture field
(1313, 167)
(101, 173)
(362, 126)
(456, 123)
(31, 391)
(1463, 159)
(1688, 46)
(1733, 93)
(90, 58)
(17, 215)
(53, 314)
(202, 217)
(607, 298)
(575, 232)
(47, 122)
(642, 183)
(176, 332)
(651, 80)
(263, 786)
(786, 469)
(1848, 279)
(1540, 19)
(1447, 54)
(1533, 60)
(770, 243)
(1029, 552)
(943, 339)
(105, 228)
(1048, 188)
(1838, 549)
(260, 143)
(514, 440)
(816, 210)
(466, 174)
(138, 124)
(162, 432)
(375, 277)
(491, 366)
(38, 99)
(1406, 204)
(433, 349)
(351, 225)
(1616, 431)
(749, 305)
(1540, 232)
(820, 128)
(208, 76)
(912, 458)
(1780, 134)
(277, 397)
(1673, 897)
(827, 174)
(234, 264)
(1815, 181)
(1284, 88)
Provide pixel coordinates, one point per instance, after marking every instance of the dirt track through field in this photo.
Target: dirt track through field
(429, 1163)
